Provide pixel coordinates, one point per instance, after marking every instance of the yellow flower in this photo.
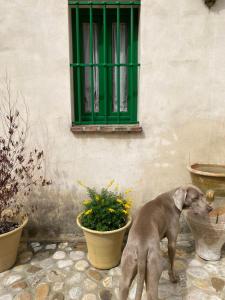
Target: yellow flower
(81, 183)
(86, 202)
(110, 184)
(124, 211)
(111, 210)
(127, 206)
(97, 197)
(128, 191)
(129, 201)
(119, 201)
(88, 212)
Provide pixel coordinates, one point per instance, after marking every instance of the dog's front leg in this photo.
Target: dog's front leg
(172, 238)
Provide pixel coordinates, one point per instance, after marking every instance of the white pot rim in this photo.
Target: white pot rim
(103, 232)
(16, 229)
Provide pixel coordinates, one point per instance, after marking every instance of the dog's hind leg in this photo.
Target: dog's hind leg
(153, 273)
(129, 270)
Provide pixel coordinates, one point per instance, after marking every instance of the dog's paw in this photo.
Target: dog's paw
(174, 277)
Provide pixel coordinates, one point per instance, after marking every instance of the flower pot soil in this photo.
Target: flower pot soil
(7, 226)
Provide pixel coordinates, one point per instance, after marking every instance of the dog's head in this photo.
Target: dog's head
(191, 197)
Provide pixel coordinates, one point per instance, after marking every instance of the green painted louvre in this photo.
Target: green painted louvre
(105, 61)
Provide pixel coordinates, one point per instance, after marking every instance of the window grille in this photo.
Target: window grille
(105, 61)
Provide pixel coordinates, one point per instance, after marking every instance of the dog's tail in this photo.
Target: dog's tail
(141, 270)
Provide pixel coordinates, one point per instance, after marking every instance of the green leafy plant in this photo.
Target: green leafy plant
(105, 210)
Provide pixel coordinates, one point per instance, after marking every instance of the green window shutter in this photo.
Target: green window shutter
(101, 77)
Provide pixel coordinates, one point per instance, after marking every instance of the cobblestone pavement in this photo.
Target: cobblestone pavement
(61, 271)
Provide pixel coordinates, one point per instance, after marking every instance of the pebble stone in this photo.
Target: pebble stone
(11, 279)
(62, 245)
(165, 290)
(108, 282)
(195, 263)
(57, 286)
(50, 247)
(76, 278)
(64, 263)
(42, 291)
(218, 283)
(196, 295)
(75, 293)
(81, 265)
(21, 285)
(58, 296)
(54, 275)
(45, 263)
(197, 272)
(69, 249)
(89, 297)
(89, 285)
(35, 244)
(36, 249)
(59, 255)
(33, 269)
(24, 296)
(211, 269)
(77, 255)
(94, 275)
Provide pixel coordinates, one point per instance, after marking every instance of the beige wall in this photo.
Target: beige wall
(181, 102)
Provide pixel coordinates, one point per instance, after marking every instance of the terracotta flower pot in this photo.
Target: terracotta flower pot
(104, 247)
(9, 243)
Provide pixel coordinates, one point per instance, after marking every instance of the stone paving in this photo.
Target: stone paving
(60, 271)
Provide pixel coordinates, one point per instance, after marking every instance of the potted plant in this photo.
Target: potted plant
(104, 221)
(20, 170)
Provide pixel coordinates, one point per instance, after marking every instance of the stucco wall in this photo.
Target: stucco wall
(181, 102)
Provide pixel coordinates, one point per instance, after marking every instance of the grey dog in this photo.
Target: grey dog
(157, 219)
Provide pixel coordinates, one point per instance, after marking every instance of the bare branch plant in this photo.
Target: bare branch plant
(20, 168)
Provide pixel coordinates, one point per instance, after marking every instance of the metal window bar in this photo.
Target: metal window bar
(91, 61)
(118, 61)
(105, 58)
(131, 55)
(106, 65)
(78, 61)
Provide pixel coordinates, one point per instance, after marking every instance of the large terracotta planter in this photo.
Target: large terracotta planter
(9, 243)
(208, 232)
(104, 247)
(209, 178)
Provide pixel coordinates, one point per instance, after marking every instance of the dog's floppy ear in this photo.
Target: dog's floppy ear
(179, 197)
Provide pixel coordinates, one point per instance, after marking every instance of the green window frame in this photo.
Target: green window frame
(104, 14)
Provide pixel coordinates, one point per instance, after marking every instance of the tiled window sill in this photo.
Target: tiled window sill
(106, 128)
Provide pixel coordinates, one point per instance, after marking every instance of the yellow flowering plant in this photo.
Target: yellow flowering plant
(105, 210)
